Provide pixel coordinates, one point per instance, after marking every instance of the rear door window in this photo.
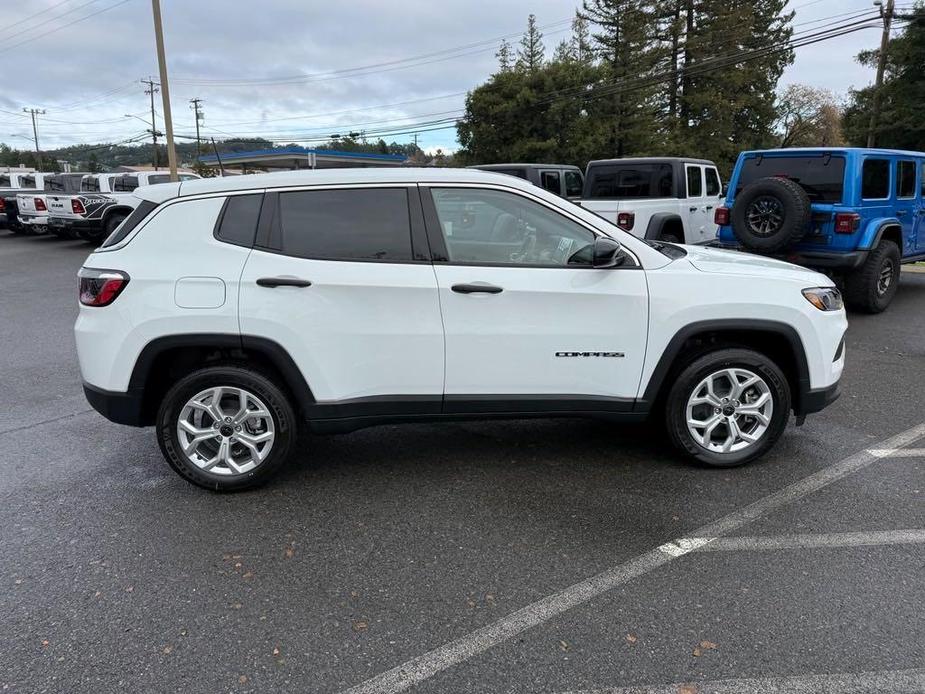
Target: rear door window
(551, 181)
(822, 176)
(694, 181)
(349, 224)
(124, 184)
(712, 178)
(875, 179)
(905, 181)
(630, 181)
(573, 184)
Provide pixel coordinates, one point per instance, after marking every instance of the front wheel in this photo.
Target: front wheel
(728, 407)
(226, 428)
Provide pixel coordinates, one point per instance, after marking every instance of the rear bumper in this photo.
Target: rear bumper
(121, 408)
(67, 223)
(848, 260)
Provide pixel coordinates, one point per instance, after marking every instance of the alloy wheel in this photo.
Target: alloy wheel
(765, 215)
(225, 430)
(729, 410)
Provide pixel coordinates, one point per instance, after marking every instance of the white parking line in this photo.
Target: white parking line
(828, 540)
(898, 452)
(425, 666)
(886, 682)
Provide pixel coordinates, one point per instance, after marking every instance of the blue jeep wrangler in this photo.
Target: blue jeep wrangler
(855, 214)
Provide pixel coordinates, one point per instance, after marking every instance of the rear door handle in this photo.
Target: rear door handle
(708, 207)
(476, 289)
(691, 209)
(901, 213)
(283, 282)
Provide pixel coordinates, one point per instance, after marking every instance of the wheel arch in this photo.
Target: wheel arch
(778, 341)
(888, 228)
(660, 221)
(163, 360)
(115, 209)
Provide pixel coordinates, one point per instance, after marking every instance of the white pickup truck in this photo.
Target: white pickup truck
(33, 207)
(656, 198)
(103, 201)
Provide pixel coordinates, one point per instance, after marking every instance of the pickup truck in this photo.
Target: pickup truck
(33, 207)
(11, 185)
(656, 198)
(101, 204)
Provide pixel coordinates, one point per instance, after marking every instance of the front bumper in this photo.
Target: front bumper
(121, 408)
(815, 400)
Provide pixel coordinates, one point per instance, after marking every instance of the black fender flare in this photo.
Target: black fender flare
(275, 354)
(113, 209)
(741, 325)
(657, 224)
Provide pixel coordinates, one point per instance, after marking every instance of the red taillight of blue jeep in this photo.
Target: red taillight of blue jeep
(721, 216)
(100, 287)
(847, 222)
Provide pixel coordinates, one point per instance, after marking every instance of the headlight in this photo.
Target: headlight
(824, 298)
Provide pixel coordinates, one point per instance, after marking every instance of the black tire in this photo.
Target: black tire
(95, 235)
(863, 289)
(235, 376)
(695, 372)
(671, 237)
(771, 214)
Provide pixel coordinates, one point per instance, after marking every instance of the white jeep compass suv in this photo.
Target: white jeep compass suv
(226, 312)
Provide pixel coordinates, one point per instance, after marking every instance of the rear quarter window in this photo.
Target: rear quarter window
(630, 181)
(237, 223)
(875, 179)
(129, 223)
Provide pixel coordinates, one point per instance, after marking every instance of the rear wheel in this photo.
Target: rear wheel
(95, 235)
(728, 407)
(226, 428)
(872, 287)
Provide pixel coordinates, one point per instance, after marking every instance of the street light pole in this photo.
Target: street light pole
(165, 90)
(887, 15)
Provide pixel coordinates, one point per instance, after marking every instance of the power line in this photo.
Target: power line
(66, 26)
(3, 30)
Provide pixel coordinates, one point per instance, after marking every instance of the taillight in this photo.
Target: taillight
(39, 205)
(847, 222)
(626, 220)
(100, 287)
(721, 216)
(77, 207)
(2, 204)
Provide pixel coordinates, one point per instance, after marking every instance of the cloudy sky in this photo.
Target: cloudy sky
(297, 69)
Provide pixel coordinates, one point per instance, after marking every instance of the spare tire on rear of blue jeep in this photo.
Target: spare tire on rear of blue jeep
(771, 214)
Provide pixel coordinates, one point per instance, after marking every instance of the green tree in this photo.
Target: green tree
(625, 105)
(505, 56)
(902, 96)
(530, 55)
(93, 163)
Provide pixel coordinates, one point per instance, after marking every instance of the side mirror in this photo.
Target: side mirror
(606, 253)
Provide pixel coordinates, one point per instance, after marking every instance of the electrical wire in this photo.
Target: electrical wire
(10, 47)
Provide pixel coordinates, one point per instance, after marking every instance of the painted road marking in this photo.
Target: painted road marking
(828, 540)
(898, 452)
(886, 682)
(425, 666)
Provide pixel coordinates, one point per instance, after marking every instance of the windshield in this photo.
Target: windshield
(671, 250)
(822, 176)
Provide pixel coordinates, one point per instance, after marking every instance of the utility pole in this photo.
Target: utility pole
(199, 114)
(152, 90)
(35, 131)
(887, 15)
(416, 141)
(165, 91)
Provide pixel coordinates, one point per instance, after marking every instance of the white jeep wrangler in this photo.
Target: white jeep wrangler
(657, 198)
(226, 312)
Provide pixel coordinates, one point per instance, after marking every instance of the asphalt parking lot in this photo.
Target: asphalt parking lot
(554, 556)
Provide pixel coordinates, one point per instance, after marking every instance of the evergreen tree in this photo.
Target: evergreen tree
(623, 43)
(505, 56)
(580, 41)
(530, 55)
(902, 96)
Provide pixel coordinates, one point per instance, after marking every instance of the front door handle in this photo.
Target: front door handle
(691, 209)
(708, 208)
(476, 289)
(283, 282)
(901, 213)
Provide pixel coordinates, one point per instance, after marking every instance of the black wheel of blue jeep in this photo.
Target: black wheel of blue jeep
(871, 287)
(770, 214)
